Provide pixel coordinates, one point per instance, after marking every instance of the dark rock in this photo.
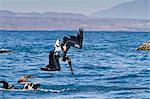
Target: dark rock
(144, 46)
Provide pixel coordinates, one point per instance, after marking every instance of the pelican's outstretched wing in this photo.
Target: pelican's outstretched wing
(74, 41)
(53, 63)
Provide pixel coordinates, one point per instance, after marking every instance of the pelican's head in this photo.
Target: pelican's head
(24, 78)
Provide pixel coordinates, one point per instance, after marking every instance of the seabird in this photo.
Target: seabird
(60, 50)
(28, 85)
(5, 50)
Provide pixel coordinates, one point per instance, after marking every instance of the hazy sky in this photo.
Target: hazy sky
(76, 6)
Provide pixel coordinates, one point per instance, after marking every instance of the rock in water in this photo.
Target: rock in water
(144, 46)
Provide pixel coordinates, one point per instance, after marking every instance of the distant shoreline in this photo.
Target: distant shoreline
(51, 24)
(68, 21)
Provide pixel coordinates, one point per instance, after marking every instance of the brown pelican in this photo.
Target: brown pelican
(60, 50)
(144, 46)
(28, 85)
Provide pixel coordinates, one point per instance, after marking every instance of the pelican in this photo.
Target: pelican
(5, 50)
(28, 85)
(60, 51)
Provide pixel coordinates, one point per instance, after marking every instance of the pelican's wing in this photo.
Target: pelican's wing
(74, 41)
(53, 63)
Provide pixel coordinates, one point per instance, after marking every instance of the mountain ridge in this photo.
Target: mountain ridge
(137, 9)
(8, 13)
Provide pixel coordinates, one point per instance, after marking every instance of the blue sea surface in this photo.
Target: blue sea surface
(107, 67)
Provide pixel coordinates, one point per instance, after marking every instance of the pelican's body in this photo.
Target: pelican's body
(58, 49)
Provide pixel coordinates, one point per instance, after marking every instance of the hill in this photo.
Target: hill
(137, 9)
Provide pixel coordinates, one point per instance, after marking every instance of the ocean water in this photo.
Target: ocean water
(107, 67)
